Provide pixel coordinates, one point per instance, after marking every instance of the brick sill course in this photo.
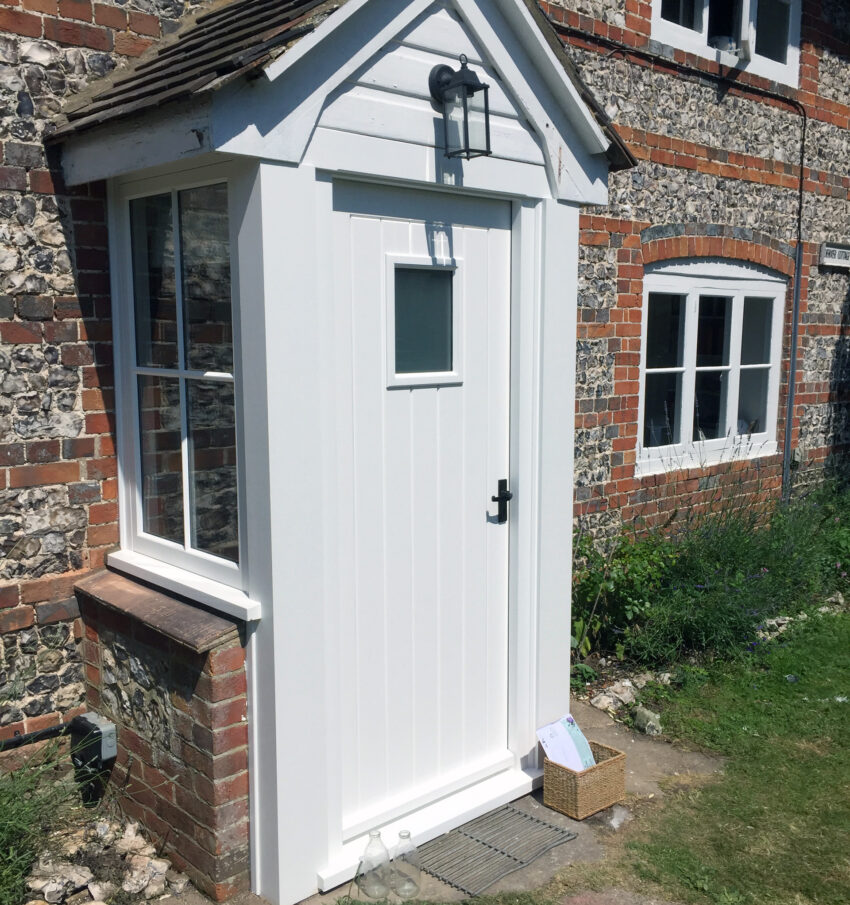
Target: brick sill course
(185, 623)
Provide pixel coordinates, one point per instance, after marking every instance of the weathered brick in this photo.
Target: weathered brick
(15, 332)
(88, 492)
(78, 448)
(225, 660)
(35, 307)
(59, 611)
(12, 454)
(76, 9)
(144, 23)
(131, 45)
(35, 475)
(102, 535)
(77, 34)
(18, 23)
(110, 16)
(9, 596)
(41, 451)
(14, 178)
(16, 618)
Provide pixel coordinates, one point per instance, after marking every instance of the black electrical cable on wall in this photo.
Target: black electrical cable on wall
(727, 79)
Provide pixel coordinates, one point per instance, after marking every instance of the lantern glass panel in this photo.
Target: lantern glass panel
(454, 119)
(479, 139)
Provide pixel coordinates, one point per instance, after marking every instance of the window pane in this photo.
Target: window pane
(773, 18)
(710, 405)
(755, 338)
(162, 476)
(661, 421)
(423, 320)
(682, 12)
(212, 468)
(152, 242)
(664, 330)
(723, 27)
(715, 315)
(752, 400)
(205, 251)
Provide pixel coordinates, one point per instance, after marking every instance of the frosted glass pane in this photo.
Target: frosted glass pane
(423, 320)
(755, 338)
(664, 330)
(161, 457)
(752, 400)
(154, 290)
(663, 404)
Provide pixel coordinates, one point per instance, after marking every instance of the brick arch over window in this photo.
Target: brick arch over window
(711, 240)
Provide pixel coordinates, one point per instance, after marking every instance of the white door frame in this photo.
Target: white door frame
(294, 667)
(544, 248)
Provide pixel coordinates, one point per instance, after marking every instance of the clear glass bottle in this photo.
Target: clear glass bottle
(372, 872)
(405, 869)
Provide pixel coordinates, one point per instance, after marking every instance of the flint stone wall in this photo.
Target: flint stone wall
(58, 492)
(671, 108)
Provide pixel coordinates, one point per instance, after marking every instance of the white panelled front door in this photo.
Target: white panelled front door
(421, 319)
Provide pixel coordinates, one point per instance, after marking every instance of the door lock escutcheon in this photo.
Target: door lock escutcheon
(503, 497)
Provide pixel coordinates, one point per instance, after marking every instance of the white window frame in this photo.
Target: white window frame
(425, 378)
(210, 579)
(736, 281)
(696, 42)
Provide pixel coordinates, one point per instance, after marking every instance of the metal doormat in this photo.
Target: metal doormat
(474, 856)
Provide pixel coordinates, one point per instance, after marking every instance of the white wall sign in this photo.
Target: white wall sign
(833, 255)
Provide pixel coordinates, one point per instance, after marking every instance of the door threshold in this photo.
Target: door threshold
(435, 819)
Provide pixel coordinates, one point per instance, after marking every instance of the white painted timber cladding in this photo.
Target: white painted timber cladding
(389, 97)
(424, 564)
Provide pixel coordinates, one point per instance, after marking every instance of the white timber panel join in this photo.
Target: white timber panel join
(423, 609)
(388, 98)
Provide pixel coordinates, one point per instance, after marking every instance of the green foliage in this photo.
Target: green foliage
(581, 674)
(33, 799)
(757, 835)
(658, 597)
(613, 589)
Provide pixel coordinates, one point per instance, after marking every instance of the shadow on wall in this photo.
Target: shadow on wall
(838, 418)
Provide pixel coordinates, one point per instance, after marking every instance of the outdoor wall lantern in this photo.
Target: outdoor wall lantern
(466, 109)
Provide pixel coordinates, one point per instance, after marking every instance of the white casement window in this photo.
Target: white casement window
(712, 339)
(760, 36)
(179, 396)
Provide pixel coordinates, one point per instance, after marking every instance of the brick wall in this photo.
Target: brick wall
(181, 713)
(718, 176)
(58, 488)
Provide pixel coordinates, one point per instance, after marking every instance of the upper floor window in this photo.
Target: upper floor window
(761, 36)
(179, 412)
(709, 364)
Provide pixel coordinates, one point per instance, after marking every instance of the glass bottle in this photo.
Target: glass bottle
(371, 878)
(405, 869)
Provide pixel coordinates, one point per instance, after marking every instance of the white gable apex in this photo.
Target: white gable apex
(362, 78)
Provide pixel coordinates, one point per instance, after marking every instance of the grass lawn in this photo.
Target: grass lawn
(776, 828)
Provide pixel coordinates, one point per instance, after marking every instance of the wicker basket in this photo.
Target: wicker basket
(580, 794)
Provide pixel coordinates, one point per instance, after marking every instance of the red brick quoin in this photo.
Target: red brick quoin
(172, 677)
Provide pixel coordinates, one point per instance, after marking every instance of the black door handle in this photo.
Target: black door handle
(503, 497)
